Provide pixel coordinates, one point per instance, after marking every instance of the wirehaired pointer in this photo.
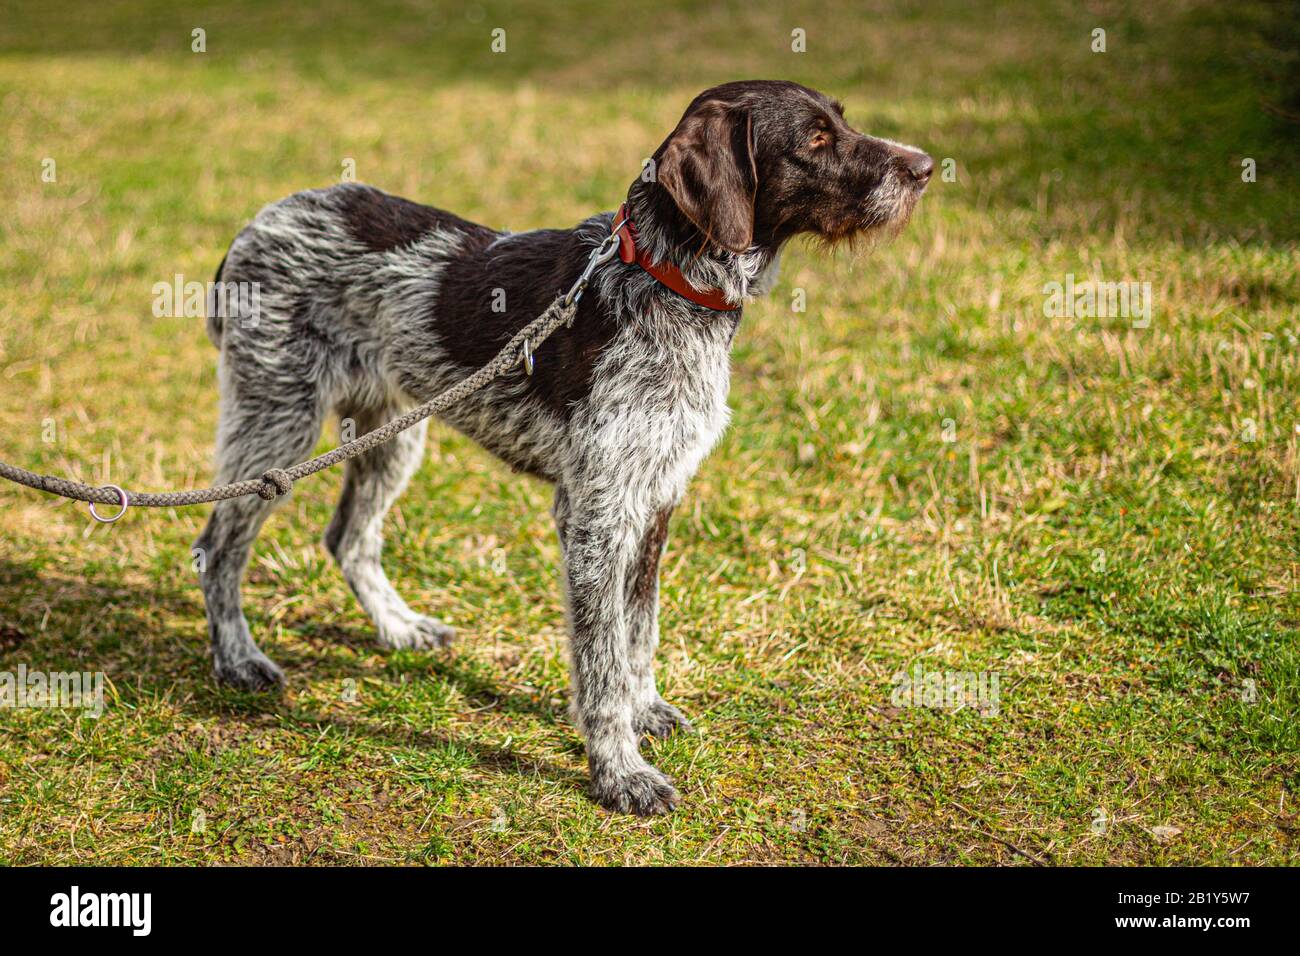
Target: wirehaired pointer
(370, 304)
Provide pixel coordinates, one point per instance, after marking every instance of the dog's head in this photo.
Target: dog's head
(760, 161)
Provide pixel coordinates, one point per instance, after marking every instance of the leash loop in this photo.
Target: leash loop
(122, 500)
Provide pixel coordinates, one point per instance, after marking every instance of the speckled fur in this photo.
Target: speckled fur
(370, 304)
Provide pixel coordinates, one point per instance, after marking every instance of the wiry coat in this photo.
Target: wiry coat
(369, 304)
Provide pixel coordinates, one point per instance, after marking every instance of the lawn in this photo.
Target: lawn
(924, 469)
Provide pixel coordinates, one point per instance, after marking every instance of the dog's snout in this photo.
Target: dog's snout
(919, 166)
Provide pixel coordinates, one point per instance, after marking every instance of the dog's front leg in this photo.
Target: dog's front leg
(601, 544)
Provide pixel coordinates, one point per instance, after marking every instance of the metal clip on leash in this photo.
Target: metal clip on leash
(599, 256)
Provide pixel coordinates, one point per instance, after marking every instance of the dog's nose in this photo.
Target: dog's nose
(919, 167)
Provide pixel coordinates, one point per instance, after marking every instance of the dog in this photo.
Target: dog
(370, 304)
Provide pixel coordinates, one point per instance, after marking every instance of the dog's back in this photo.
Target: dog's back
(368, 300)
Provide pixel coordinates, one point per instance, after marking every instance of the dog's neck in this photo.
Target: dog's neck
(669, 236)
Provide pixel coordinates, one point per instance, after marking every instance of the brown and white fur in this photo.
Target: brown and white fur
(370, 304)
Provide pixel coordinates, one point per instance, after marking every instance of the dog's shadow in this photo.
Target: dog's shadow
(151, 645)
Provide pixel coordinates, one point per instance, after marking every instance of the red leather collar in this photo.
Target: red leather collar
(665, 272)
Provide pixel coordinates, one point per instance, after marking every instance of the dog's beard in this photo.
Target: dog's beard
(885, 214)
(890, 207)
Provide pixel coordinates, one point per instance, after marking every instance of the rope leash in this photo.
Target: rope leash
(279, 481)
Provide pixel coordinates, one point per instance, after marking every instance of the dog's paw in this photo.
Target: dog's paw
(416, 633)
(659, 720)
(645, 792)
(256, 673)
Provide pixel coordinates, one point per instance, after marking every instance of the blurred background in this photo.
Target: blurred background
(923, 465)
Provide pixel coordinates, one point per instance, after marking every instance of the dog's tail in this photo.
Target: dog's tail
(216, 320)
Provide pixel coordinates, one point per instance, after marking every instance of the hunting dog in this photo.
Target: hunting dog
(370, 304)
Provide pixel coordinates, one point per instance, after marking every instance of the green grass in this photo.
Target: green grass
(1092, 524)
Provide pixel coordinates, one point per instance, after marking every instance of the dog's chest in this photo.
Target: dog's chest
(657, 406)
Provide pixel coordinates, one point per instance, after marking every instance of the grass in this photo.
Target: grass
(922, 467)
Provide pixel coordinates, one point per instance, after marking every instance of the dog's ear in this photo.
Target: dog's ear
(707, 166)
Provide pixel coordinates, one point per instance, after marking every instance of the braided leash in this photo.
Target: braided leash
(279, 481)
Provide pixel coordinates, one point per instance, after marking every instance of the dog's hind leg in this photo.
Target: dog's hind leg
(255, 435)
(355, 535)
(653, 716)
